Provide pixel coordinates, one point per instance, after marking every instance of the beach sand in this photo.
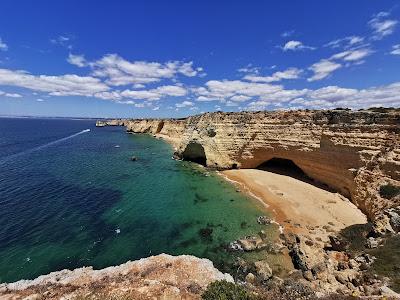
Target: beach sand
(298, 206)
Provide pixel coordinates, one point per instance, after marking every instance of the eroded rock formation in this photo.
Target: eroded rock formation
(354, 153)
(156, 277)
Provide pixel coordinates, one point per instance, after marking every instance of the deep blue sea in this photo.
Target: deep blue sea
(70, 197)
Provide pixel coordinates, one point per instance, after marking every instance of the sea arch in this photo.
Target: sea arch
(195, 152)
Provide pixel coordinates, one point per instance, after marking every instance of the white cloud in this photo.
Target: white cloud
(13, 95)
(118, 71)
(249, 69)
(62, 85)
(291, 73)
(332, 93)
(184, 104)
(3, 45)
(325, 67)
(63, 40)
(156, 108)
(206, 99)
(240, 98)
(10, 95)
(286, 34)
(216, 89)
(241, 91)
(231, 103)
(346, 42)
(258, 105)
(352, 55)
(396, 50)
(322, 69)
(39, 100)
(259, 96)
(155, 94)
(333, 96)
(376, 96)
(381, 25)
(77, 60)
(296, 45)
(112, 95)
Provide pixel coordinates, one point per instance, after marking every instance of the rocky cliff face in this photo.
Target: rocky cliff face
(156, 277)
(354, 153)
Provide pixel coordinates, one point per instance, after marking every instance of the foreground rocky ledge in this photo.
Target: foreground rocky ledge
(157, 277)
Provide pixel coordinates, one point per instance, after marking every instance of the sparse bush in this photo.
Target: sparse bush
(389, 191)
(223, 290)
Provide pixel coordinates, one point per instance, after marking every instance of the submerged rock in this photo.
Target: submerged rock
(264, 220)
(251, 243)
(206, 233)
(235, 246)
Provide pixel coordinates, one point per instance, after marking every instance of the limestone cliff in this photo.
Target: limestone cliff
(156, 277)
(353, 152)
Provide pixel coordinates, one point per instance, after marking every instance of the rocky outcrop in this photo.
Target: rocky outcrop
(352, 152)
(156, 277)
(116, 122)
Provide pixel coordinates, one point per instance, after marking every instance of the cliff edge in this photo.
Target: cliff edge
(157, 277)
(355, 153)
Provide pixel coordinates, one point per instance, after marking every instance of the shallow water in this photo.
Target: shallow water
(82, 201)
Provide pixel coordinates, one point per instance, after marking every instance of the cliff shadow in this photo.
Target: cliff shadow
(195, 152)
(289, 168)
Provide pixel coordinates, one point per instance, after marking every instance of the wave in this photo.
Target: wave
(12, 156)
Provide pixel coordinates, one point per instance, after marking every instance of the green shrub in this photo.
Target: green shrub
(223, 290)
(389, 191)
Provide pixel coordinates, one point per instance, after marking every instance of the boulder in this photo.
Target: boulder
(263, 234)
(341, 277)
(308, 275)
(394, 217)
(251, 243)
(386, 291)
(337, 244)
(250, 278)
(371, 243)
(382, 225)
(298, 258)
(263, 270)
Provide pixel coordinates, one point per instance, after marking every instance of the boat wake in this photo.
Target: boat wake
(12, 156)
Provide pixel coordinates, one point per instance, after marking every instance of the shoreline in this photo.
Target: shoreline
(254, 183)
(297, 207)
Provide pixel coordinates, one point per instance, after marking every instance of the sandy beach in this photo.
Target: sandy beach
(298, 206)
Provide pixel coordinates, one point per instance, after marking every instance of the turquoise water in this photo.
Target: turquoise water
(81, 201)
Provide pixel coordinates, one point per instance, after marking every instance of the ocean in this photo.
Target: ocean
(70, 196)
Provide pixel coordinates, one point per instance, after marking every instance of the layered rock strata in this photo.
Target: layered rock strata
(353, 152)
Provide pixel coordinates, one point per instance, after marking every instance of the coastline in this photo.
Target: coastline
(297, 206)
(311, 218)
(323, 213)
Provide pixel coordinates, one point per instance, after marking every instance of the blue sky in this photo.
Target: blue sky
(176, 58)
